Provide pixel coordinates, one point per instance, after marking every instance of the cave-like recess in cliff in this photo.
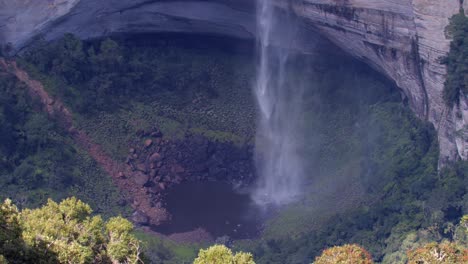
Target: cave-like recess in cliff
(341, 91)
(214, 205)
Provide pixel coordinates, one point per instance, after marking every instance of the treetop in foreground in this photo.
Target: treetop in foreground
(347, 254)
(443, 253)
(220, 254)
(65, 232)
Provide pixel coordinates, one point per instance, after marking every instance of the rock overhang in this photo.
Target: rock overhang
(402, 39)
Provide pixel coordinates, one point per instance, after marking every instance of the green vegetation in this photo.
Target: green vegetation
(65, 233)
(373, 165)
(433, 253)
(162, 250)
(457, 59)
(347, 254)
(38, 160)
(374, 179)
(405, 201)
(117, 87)
(219, 254)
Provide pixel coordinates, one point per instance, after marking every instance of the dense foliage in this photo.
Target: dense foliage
(457, 60)
(359, 134)
(38, 160)
(219, 254)
(346, 254)
(433, 253)
(408, 201)
(106, 74)
(116, 87)
(65, 232)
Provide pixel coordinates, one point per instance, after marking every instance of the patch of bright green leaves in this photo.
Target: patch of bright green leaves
(65, 232)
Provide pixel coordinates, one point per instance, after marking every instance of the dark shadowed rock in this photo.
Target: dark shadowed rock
(156, 134)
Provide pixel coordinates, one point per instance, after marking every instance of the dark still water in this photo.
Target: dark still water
(213, 206)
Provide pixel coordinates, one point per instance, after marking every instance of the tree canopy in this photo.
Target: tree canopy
(220, 254)
(65, 232)
(443, 253)
(347, 254)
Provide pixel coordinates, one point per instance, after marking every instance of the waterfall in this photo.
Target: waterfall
(278, 159)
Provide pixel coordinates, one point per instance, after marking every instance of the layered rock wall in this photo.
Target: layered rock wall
(403, 39)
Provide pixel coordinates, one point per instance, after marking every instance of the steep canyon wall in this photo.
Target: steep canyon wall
(403, 39)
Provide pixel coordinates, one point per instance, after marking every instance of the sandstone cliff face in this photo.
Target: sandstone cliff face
(403, 39)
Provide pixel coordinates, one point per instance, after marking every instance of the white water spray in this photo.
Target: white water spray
(279, 163)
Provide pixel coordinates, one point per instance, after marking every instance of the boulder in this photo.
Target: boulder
(155, 157)
(141, 167)
(148, 143)
(140, 178)
(140, 218)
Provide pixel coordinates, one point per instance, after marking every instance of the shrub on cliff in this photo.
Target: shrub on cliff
(219, 254)
(457, 60)
(65, 232)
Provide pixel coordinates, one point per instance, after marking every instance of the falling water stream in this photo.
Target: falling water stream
(279, 98)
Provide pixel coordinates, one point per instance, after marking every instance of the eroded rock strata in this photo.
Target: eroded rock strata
(403, 39)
